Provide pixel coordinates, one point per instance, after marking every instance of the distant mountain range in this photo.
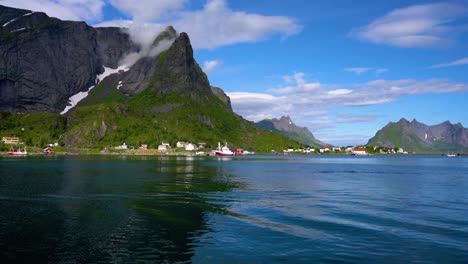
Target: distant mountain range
(286, 126)
(418, 137)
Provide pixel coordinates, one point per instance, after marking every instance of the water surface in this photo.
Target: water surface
(262, 209)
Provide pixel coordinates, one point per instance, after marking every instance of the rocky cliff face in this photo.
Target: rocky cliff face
(44, 61)
(416, 136)
(286, 126)
(222, 96)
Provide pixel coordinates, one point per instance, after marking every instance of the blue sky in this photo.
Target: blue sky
(342, 68)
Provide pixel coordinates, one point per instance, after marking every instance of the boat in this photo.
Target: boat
(451, 155)
(18, 152)
(223, 151)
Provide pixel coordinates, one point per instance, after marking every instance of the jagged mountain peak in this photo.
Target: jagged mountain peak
(286, 119)
(168, 34)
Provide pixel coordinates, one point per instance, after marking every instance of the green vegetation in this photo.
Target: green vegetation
(140, 120)
(35, 129)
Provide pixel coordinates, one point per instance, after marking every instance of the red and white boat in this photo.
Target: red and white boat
(223, 151)
(18, 152)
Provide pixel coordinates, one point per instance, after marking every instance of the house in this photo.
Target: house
(201, 144)
(166, 144)
(190, 147)
(10, 140)
(309, 150)
(144, 146)
(162, 148)
(181, 144)
(359, 151)
(349, 149)
(336, 149)
(123, 146)
(55, 144)
(324, 149)
(48, 150)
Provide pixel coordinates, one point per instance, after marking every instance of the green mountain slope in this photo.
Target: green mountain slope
(418, 137)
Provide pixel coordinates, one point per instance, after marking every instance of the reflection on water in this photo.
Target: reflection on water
(105, 209)
(266, 209)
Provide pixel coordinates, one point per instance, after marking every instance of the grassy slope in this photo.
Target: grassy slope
(35, 129)
(393, 135)
(136, 122)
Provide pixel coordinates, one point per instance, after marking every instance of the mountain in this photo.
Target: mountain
(418, 137)
(44, 61)
(286, 126)
(162, 96)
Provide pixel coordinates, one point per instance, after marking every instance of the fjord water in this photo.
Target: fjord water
(261, 209)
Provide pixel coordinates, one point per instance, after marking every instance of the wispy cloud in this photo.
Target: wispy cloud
(209, 66)
(300, 85)
(429, 25)
(309, 104)
(351, 118)
(463, 61)
(358, 71)
(361, 70)
(216, 25)
(65, 9)
(381, 70)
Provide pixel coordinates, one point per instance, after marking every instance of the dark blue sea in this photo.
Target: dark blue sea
(256, 209)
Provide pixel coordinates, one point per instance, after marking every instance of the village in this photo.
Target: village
(17, 148)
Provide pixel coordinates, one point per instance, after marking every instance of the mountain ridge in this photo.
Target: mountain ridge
(419, 137)
(286, 126)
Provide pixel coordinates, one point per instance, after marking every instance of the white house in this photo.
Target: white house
(359, 151)
(10, 140)
(337, 149)
(168, 146)
(162, 148)
(123, 146)
(190, 147)
(181, 144)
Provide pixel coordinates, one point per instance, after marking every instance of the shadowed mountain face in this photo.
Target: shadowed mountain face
(418, 137)
(286, 126)
(44, 61)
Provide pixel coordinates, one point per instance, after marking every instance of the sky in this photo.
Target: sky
(341, 68)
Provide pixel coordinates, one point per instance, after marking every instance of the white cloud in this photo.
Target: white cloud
(216, 25)
(463, 61)
(306, 105)
(358, 71)
(429, 25)
(339, 92)
(380, 71)
(213, 26)
(211, 65)
(77, 10)
(149, 10)
(300, 85)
